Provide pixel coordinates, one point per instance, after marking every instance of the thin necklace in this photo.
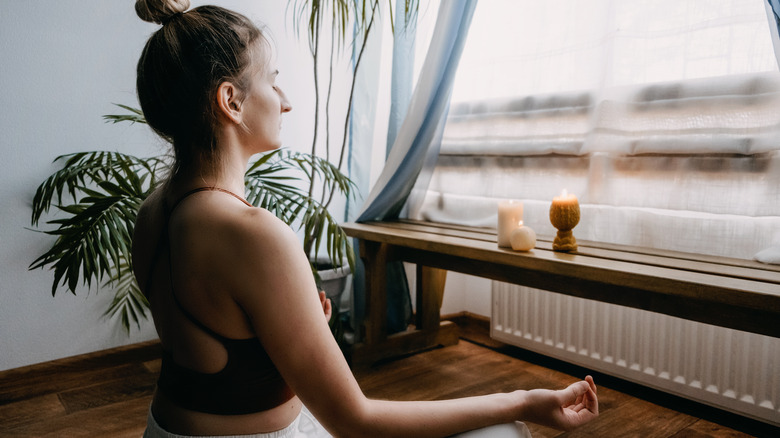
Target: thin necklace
(218, 189)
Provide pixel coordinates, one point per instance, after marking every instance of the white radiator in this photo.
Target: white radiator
(728, 369)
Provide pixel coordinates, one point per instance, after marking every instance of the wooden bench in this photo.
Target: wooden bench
(734, 293)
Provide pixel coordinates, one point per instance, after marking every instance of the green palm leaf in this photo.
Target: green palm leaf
(98, 194)
(268, 187)
(129, 303)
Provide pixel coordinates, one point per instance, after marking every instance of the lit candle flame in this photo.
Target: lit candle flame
(520, 224)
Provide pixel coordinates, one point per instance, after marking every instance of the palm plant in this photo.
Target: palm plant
(100, 192)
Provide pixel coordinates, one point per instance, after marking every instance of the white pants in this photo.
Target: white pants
(306, 426)
(508, 430)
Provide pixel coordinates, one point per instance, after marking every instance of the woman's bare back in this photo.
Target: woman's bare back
(196, 268)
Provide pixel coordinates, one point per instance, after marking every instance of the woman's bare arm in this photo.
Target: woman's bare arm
(272, 281)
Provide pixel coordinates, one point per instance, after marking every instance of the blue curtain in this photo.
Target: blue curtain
(401, 79)
(418, 139)
(773, 13)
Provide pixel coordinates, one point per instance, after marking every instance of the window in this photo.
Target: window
(531, 47)
(662, 116)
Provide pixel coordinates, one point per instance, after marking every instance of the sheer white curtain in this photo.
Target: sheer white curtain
(662, 116)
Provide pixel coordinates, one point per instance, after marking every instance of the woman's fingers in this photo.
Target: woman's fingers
(327, 306)
(591, 397)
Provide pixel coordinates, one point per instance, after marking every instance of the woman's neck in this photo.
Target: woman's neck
(225, 172)
(227, 175)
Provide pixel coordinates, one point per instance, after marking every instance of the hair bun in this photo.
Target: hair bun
(160, 11)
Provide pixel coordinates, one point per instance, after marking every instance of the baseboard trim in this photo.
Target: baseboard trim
(147, 350)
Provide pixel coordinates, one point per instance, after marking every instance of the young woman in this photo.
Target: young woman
(245, 336)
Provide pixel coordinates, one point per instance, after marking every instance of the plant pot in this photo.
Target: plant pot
(334, 282)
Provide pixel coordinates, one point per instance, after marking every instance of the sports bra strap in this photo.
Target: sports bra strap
(168, 212)
(166, 231)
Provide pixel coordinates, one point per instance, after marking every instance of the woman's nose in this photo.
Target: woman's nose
(286, 106)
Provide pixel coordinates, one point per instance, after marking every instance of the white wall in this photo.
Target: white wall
(461, 292)
(62, 65)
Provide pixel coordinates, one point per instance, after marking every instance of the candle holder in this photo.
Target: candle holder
(565, 215)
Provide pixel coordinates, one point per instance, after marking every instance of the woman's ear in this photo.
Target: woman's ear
(228, 103)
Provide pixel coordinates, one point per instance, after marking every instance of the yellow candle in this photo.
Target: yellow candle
(565, 215)
(510, 217)
(565, 199)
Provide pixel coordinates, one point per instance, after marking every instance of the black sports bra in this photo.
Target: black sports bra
(249, 382)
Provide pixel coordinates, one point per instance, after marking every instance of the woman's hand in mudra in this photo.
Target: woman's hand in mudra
(565, 409)
(327, 307)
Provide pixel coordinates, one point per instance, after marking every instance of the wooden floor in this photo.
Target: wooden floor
(108, 394)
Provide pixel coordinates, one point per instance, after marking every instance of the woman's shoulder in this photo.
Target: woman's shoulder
(257, 225)
(219, 216)
(231, 212)
(242, 244)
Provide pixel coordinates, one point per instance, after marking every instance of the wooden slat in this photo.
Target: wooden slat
(490, 234)
(66, 376)
(125, 419)
(723, 267)
(487, 251)
(93, 396)
(646, 422)
(485, 234)
(712, 304)
(730, 295)
(22, 413)
(413, 367)
(708, 429)
(740, 268)
(54, 376)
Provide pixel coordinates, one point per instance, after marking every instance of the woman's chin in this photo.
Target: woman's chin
(269, 147)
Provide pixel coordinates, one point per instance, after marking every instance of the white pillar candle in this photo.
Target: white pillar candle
(510, 217)
(523, 239)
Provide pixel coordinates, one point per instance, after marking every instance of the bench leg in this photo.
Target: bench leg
(375, 257)
(430, 293)
(428, 331)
